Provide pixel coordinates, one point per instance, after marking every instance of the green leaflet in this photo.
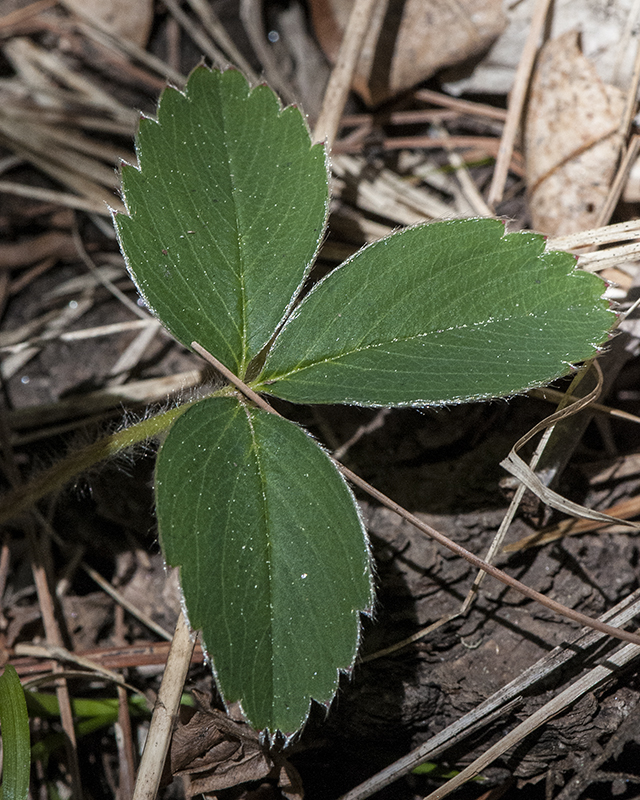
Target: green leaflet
(14, 727)
(274, 563)
(441, 313)
(226, 213)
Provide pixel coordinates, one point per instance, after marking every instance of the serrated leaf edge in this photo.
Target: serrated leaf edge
(115, 214)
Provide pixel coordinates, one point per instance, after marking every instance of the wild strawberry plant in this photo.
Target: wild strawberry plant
(226, 212)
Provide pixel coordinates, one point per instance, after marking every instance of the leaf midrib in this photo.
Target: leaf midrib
(269, 560)
(244, 360)
(344, 354)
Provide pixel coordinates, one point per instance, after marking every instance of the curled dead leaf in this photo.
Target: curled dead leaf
(217, 753)
(571, 139)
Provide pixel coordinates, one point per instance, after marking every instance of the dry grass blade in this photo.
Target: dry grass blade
(89, 204)
(557, 659)
(197, 34)
(217, 32)
(587, 683)
(339, 84)
(624, 510)
(111, 329)
(517, 467)
(251, 15)
(134, 393)
(165, 712)
(609, 234)
(516, 102)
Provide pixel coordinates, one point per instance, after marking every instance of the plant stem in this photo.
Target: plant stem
(56, 477)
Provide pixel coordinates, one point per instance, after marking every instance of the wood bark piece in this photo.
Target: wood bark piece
(408, 42)
(571, 139)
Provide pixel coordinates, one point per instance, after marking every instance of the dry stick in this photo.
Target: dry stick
(551, 709)
(557, 659)
(516, 102)
(165, 712)
(461, 106)
(558, 608)
(251, 16)
(620, 180)
(125, 604)
(337, 90)
(631, 151)
(218, 33)
(54, 637)
(469, 189)
(122, 728)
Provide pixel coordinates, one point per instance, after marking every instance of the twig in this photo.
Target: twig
(122, 601)
(516, 102)
(587, 683)
(123, 732)
(620, 180)
(460, 105)
(337, 90)
(165, 712)
(216, 30)
(541, 670)
(54, 637)
(251, 16)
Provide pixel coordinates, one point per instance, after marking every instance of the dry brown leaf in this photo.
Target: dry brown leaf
(131, 20)
(608, 35)
(217, 753)
(572, 142)
(409, 40)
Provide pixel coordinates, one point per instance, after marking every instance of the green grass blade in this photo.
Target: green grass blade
(14, 728)
(274, 562)
(226, 213)
(442, 313)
